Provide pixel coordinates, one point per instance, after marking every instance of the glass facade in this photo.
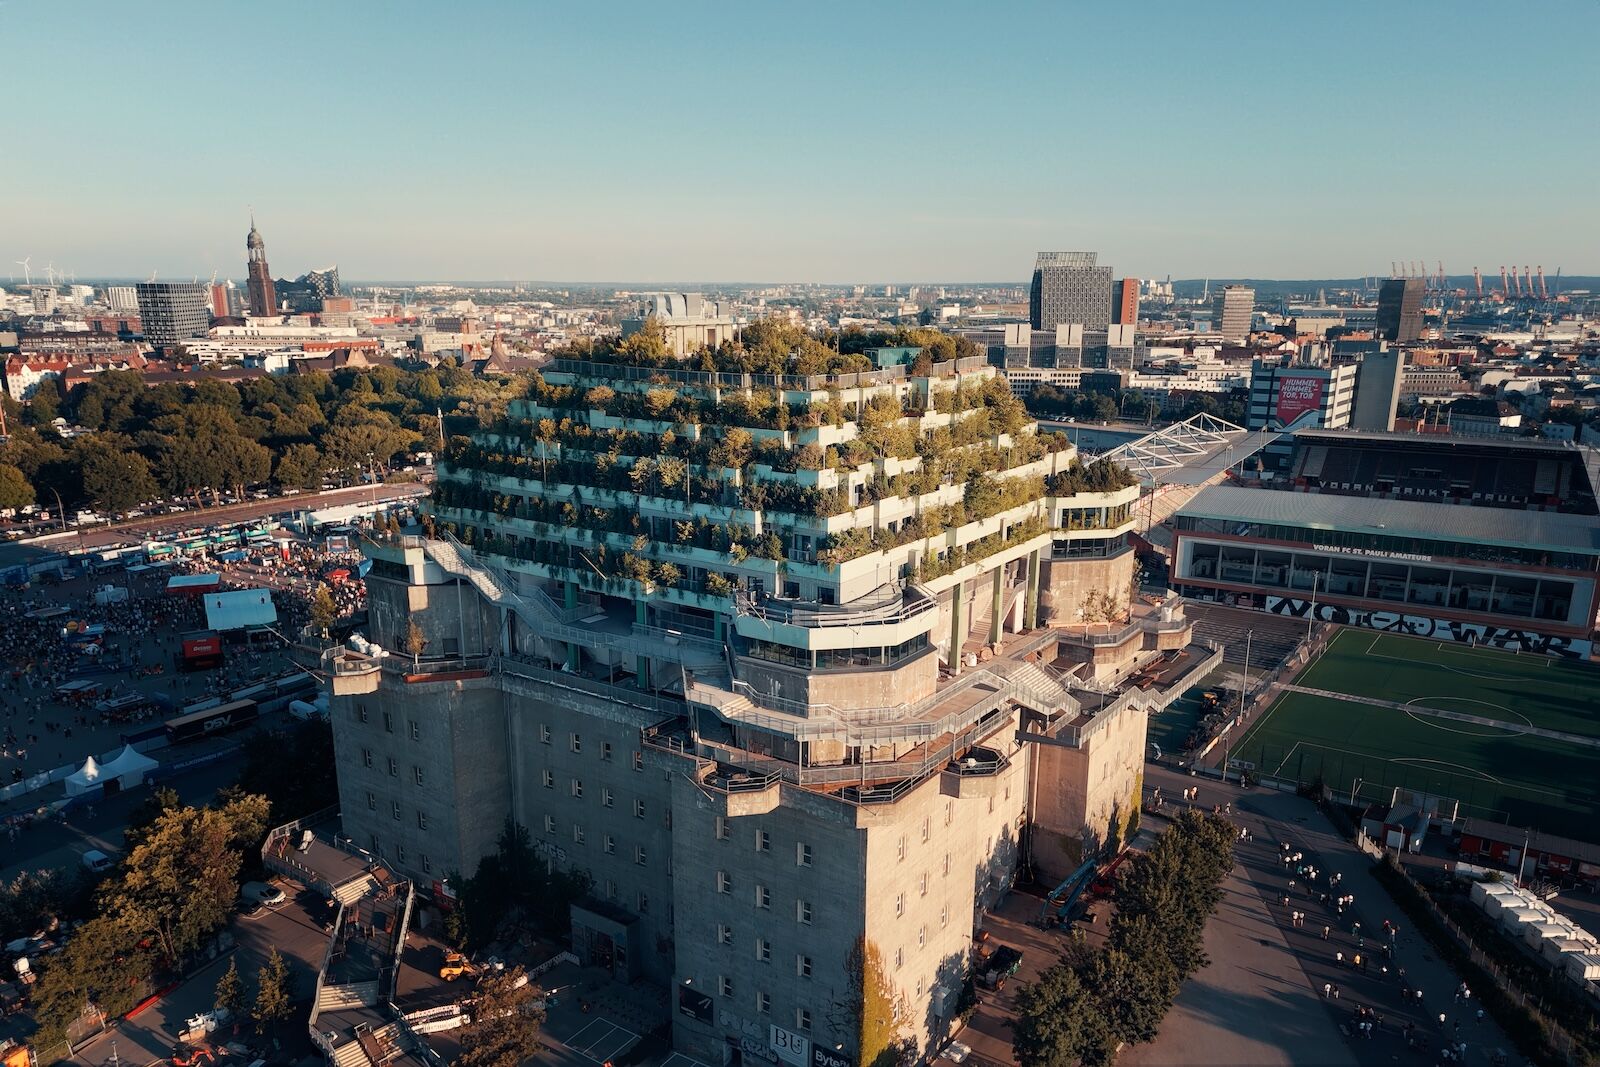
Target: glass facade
(1419, 586)
(1397, 545)
(838, 658)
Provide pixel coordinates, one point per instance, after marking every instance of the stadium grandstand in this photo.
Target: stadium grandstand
(1460, 539)
(1519, 473)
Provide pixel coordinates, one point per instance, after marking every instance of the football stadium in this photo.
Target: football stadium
(1511, 737)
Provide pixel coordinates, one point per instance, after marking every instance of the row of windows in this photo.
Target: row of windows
(400, 854)
(608, 798)
(575, 744)
(413, 729)
(418, 775)
(396, 811)
(763, 1001)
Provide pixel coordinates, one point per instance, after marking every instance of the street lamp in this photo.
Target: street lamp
(1312, 614)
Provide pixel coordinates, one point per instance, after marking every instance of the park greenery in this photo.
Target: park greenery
(1082, 1008)
(202, 439)
(1092, 405)
(162, 906)
(505, 1019)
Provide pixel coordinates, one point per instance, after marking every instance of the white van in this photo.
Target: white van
(96, 861)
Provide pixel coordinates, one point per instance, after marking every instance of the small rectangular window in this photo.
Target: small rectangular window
(802, 966)
(638, 854)
(372, 802)
(361, 712)
(388, 722)
(763, 1002)
(638, 809)
(722, 828)
(900, 849)
(394, 808)
(605, 750)
(802, 854)
(763, 950)
(400, 852)
(416, 774)
(899, 958)
(724, 934)
(725, 985)
(644, 904)
(394, 767)
(549, 824)
(577, 834)
(638, 761)
(802, 1020)
(549, 779)
(577, 787)
(763, 841)
(763, 897)
(577, 742)
(724, 883)
(802, 912)
(606, 797)
(544, 733)
(427, 864)
(927, 827)
(422, 820)
(610, 845)
(366, 757)
(899, 905)
(416, 730)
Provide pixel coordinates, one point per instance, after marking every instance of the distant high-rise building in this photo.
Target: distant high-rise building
(263, 297)
(173, 312)
(1125, 302)
(1236, 306)
(1378, 390)
(122, 298)
(1068, 288)
(1400, 309)
(219, 300)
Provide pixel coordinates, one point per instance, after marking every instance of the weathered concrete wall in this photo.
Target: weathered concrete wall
(1066, 585)
(1079, 790)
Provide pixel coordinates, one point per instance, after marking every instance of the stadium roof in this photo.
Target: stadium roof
(1463, 442)
(1402, 518)
(240, 608)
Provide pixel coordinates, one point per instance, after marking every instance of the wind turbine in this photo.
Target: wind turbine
(50, 272)
(27, 274)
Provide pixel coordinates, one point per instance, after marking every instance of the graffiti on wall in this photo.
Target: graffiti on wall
(1505, 637)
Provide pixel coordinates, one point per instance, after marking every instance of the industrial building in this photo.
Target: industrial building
(783, 665)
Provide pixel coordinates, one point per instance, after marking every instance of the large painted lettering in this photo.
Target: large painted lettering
(1440, 629)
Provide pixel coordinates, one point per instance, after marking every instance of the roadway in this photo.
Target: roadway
(155, 526)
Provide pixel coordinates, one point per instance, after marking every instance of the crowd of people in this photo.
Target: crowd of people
(42, 727)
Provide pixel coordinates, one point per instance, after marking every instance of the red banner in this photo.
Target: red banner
(1298, 395)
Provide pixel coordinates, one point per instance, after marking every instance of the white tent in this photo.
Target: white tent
(127, 769)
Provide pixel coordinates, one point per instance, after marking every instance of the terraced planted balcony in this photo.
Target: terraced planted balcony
(890, 615)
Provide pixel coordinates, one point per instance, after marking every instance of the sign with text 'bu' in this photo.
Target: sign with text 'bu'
(791, 1047)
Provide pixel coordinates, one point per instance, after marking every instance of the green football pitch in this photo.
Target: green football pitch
(1444, 719)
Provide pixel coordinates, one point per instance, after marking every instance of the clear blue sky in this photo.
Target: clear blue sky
(799, 141)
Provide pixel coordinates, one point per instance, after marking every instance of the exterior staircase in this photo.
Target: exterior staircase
(1036, 687)
(354, 890)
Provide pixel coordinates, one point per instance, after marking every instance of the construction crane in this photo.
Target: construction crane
(1477, 281)
(1527, 279)
(1544, 294)
(1441, 275)
(1505, 287)
(1394, 270)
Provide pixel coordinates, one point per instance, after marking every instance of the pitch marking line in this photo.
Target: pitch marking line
(606, 1038)
(1457, 716)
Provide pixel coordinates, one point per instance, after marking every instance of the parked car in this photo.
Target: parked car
(96, 861)
(261, 893)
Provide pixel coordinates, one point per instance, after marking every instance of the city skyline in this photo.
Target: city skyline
(577, 145)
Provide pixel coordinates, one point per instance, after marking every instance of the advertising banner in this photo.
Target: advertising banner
(1298, 395)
